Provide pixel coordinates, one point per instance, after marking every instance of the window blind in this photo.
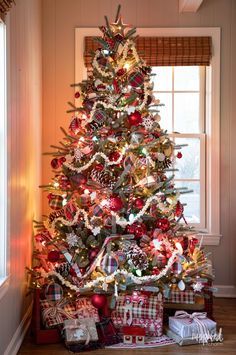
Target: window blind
(164, 51)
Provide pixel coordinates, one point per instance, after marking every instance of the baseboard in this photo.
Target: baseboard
(20, 332)
(225, 291)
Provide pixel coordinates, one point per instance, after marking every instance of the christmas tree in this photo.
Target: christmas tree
(117, 221)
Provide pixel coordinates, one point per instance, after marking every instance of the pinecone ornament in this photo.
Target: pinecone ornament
(103, 177)
(63, 269)
(137, 258)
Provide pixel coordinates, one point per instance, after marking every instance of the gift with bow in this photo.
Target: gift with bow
(54, 313)
(195, 325)
(78, 331)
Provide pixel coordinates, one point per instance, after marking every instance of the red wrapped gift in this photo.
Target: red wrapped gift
(54, 313)
(85, 309)
(148, 314)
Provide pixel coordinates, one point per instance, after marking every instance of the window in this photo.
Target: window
(205, 134)
(182, 91)
(2, 153)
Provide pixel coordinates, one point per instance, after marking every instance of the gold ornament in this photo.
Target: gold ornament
(118, 27)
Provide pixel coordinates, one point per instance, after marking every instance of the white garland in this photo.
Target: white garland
(86, 166)
(108, 279)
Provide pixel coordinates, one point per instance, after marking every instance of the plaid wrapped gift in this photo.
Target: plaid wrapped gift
(53, 292)
(177, 296)
(55, 201)
(80, 331)
(54, 313)
(148, 315)
(136, 79)
(85, 309)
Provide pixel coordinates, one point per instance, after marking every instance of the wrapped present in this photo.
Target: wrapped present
(54, 313)
(147, 314)
(107, 332)
(195, 325)
(80, 331)
(85, 309)
(177, 296)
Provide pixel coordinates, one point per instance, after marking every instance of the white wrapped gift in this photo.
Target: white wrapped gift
(195, 325)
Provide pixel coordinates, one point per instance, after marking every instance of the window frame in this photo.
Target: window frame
(200, 135)
(211, 234)
(4, 266)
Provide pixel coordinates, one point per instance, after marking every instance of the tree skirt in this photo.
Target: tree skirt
(149, 343)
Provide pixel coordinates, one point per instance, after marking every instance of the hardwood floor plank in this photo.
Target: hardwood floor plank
(225, 315)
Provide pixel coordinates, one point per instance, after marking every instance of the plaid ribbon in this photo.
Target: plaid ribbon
(56, 202)
(177, 296)
(136, 79)
(54, 314)
(97, 211)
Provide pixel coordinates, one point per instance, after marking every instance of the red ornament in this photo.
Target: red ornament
(135, 118)
(163, 224)
(121, 71)
(93, 253)
(77, 94)
(155, 271)
(179, 209)
(139, 203)
(98, 301)
(53, 256)
(114, 156)
(55, 164)
(62, 160)
(138, 229)
(116, 203)
(179, 155)
(78, 179)
(99, 167)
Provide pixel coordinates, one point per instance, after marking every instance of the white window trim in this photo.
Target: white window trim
(211, 235)
(5, 269)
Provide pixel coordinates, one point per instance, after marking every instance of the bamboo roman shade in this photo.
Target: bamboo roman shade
(5, 6)
(164, 51)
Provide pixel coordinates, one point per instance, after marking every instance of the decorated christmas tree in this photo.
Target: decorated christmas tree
(117, 221)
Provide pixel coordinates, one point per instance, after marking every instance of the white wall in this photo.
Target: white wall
(24, 139)
(61, 17)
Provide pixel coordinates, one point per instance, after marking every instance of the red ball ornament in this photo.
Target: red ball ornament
(98, 301)
(138, 229)
(114, 156)
(138, 203)
(155, 271)
(116, 203)
(77, 94)
(62, 160)
(121, 71)
(99, 167)
(179, 155)
(135, 118)
(55, 164)
(93, 253)
(53, 256)
(163, 224)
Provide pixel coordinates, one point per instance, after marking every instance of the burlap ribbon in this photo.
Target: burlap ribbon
(197, 317)
(56, 311)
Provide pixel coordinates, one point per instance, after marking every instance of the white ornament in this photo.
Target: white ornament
(197, 287)
(147, 122)
(78, 154)
(72, 239)
(161, 156)
(96, 230)
(181, 285)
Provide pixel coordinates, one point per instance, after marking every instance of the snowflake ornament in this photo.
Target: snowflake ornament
(197, 287)
(72, 239)
(147, 123)
(96, 230)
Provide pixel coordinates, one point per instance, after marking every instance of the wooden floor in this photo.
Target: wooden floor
(225, 315)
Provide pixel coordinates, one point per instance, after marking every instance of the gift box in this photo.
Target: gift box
(147, 314)
(107, 332)
(54, 313)
(85, 309)
(79, 331)
(195, 325)
(177, 296)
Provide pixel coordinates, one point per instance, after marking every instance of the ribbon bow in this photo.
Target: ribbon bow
(56, 311)
(197, 317)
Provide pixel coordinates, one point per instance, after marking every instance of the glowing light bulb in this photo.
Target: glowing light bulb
(56, 184)
(86, 191)
(127, 66)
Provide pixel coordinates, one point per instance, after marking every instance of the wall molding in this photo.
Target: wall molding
(228, 291)
(20, 332)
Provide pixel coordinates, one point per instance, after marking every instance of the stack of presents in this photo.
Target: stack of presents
(131, 318)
